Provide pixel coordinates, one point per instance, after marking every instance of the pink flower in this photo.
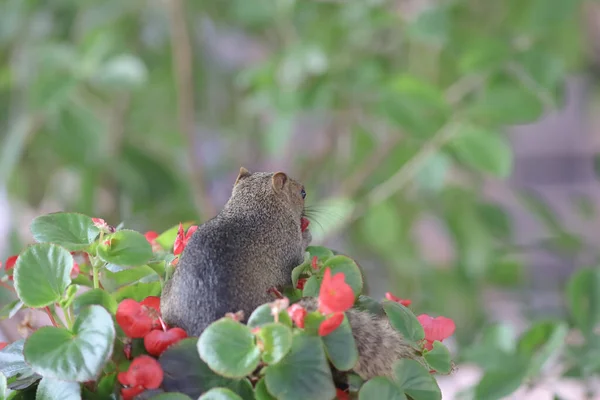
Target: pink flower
(297, 313)
(151, 238)
(398, 300)
(438, 329)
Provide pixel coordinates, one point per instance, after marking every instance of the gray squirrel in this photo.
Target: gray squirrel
(233, 260)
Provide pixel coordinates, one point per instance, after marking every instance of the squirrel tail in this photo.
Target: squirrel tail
(379, 344)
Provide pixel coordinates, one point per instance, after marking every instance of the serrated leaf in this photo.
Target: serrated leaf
(340, 347)
(439, 358)
(404, 321)
(77, 355)
(276, 342)
(71, 230)
(137, 291)
(381, 388)
(95, 296)
(322, 253)
(55, 389)
(12, 364)
(219, 394)
(42, 274)
(228, 348)
(262, 315)
(125, 248)
(303, 373)
(416, 381)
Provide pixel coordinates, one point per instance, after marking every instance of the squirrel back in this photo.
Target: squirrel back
(232, 260)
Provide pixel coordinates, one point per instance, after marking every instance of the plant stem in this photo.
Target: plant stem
(67, 312)
(53, 318)
(95, 272)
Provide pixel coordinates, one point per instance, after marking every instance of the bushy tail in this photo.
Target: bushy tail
(379, 344)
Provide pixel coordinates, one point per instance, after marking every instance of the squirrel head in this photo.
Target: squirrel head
(267, 187)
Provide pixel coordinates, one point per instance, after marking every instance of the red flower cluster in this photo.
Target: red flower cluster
(151, 238)
(182, 238)
(398, 300)
(438, 329)
(143, 373)
(143, 320)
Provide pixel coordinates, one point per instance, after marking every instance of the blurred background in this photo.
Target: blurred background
(450, 147)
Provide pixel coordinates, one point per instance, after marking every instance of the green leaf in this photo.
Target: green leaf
(42, 274)
(416, 381)
(185, 372)
(322, 253)
(95, 296)
(484, 150)
(262, 316)
(261, 392)
(347, 266)
(404, 321)
(312, 286)
(499, 383)
(2, 386)
(55, 389)
(167, 238)
(219, 394)
(299, 270)
(276, 340)
(583, 298)
(439, 358)
(340, 347)
(381, 388)
(9, 310)
(12, 364)
(126, 248)
(71, 230)
(507, 104)
(138, 291)
(543, 340)
(228, 348)
(303, 373)
(77, 355)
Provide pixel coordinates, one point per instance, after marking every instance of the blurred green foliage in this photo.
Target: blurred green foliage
(389, 111)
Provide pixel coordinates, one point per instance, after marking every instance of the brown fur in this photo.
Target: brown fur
(233, 259)
(379, 344)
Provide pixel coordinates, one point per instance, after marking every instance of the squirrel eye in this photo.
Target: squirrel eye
(303, 193)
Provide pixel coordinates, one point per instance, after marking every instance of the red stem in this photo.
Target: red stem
(50, 316)
(7, 286)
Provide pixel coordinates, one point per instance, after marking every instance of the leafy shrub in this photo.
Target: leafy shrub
(111, 339)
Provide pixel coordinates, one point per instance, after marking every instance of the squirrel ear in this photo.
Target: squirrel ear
(243, 174)
(279, 180)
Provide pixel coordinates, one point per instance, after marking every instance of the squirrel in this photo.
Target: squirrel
(233, 260)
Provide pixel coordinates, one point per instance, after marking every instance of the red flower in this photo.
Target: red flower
(151, 306)
(10, 264)
(102, 225)
(143, 373)
(158, 341)
(151, 238)
(341, 395)
(304, 222)
(391, 297)
(75, 271)
(297, 313)
(335, 294)
(133, 319)
(331, 324)
(300, 284)
(3, 345)
(438, 329)
(182, 239)
(314, 264)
